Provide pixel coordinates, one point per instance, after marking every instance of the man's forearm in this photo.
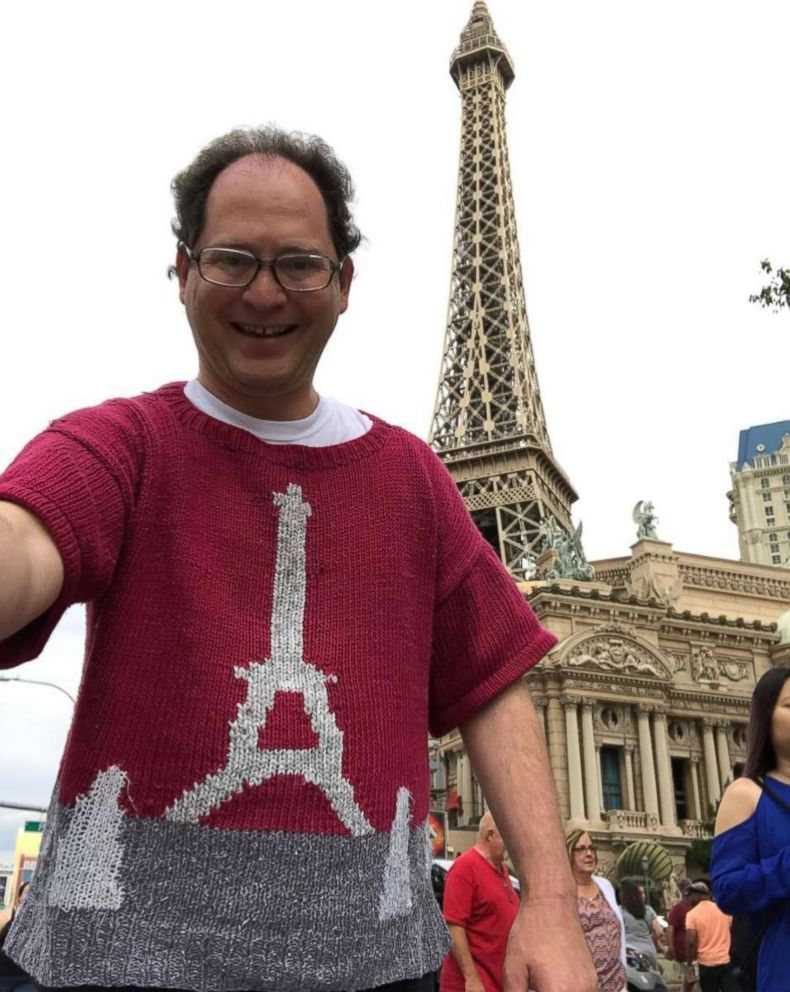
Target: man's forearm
(461, 953)
(691, 946)
(31, 570)
(505, 744)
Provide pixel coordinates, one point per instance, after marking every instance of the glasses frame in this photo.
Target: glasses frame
(263, 263)
(585, 849)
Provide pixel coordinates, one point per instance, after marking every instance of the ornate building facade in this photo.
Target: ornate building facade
(644, 701)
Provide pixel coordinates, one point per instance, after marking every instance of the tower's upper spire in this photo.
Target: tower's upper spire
(479, 42)
(489, 427)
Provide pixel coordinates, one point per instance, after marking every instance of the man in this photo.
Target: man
(676, 950)
(708, 941)
(284, 595)
(480, 907)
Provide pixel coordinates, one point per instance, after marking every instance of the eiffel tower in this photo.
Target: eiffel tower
(489, 428)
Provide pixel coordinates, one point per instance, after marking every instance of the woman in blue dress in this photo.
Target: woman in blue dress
(750, 864)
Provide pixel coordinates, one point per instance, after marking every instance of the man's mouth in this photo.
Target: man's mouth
(264, 330)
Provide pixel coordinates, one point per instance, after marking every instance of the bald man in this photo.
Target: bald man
(480, 906)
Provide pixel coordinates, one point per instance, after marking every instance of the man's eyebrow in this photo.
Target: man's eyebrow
(296, 248)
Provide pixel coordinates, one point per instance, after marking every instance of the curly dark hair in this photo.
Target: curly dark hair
(191, 186)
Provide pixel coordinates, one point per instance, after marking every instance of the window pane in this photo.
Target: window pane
(610, 778)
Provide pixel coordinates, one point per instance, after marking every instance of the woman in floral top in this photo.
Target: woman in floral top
(599, 913)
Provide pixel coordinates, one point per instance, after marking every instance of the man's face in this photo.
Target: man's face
(266, 206)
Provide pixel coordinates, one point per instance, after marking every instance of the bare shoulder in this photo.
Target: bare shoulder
(738, 803)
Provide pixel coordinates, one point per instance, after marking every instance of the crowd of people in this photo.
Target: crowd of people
(305, 588)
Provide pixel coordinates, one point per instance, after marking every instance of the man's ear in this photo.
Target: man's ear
(182, 271)
(344, 278)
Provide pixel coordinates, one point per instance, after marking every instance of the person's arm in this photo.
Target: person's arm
(31, 569)
(463, 956)
(546, 949)
(692, 943)
(657, 933)
(670, 951)
(741, 880)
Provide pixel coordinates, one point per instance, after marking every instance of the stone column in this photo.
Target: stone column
(592, 774)
(630, 791)
(540, 708)
(711, 771)
(666, 790)
(600, 776)
(555, 727)
(465, 787)
(695, 795)
(574, 759)
(646, 762)
(723, 753)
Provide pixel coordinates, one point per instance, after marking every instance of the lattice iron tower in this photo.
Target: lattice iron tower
(488, 426)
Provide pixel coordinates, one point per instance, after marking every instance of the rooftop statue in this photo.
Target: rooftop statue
(569, 562)
(646, 520)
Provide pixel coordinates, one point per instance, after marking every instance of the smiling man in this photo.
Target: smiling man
(284, 595)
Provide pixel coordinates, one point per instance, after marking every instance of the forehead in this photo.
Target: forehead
(255, 199)
(784, 692)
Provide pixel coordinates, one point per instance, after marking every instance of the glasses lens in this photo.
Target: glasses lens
(303, 272)
(227, 267)
(584, 849)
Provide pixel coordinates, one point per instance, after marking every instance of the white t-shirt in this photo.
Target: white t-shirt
(330, 423)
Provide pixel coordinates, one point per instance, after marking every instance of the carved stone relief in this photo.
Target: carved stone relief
(609, 649)
(706, 667)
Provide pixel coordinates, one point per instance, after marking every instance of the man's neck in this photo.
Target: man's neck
(481, 849)
(290, 406)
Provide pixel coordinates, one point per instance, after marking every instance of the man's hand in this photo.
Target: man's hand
(474, 984)
(546, 950)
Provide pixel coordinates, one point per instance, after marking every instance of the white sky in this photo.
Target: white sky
(650, 158)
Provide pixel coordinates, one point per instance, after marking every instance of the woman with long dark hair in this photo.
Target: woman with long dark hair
(750, 864)
(642, 929)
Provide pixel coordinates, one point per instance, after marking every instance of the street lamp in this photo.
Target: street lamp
(645, 863)
(52, 685)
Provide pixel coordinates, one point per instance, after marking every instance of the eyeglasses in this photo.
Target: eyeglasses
(298, 272)
(584, 849)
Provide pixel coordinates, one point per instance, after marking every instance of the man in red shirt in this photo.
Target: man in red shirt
(480, 906)
(677, 936)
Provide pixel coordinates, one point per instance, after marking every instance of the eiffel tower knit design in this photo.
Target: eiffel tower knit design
(285, 671)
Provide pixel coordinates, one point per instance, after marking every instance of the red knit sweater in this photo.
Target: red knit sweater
(271, 630)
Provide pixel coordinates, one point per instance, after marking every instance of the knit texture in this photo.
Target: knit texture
(271, 632)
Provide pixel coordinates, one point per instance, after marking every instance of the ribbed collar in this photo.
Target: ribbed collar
(296, 456)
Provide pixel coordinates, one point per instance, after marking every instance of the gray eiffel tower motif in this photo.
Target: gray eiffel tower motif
(286, 670)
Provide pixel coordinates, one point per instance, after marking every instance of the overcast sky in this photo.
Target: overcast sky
(650, 158)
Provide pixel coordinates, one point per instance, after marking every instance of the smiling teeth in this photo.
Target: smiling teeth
(263, 332)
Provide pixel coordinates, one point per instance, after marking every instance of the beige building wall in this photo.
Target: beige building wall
(644, 702)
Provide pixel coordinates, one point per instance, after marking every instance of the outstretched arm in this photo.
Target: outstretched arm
(31, 569)
(546, 950)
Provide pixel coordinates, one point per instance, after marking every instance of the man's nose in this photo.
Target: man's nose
(265, 290)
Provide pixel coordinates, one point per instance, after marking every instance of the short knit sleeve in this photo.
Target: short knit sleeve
(80, 478)
(485, 634)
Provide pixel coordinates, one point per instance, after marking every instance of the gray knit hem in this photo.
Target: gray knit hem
(222, 910)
